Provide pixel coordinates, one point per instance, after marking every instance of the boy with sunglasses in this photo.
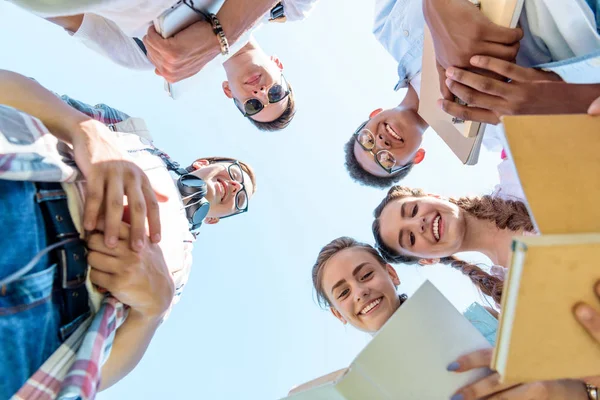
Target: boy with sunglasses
(47, 285)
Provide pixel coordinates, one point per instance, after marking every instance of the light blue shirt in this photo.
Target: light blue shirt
(399, 27)
(481, 319)
(571, 48)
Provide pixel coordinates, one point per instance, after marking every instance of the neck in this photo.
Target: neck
(485, 237)
(232, 61)
(411, 102)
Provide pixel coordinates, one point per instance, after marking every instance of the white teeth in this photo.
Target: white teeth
(391, 132)
(370, 306)
(436, 231)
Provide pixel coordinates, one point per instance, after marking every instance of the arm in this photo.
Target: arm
(104, 37)
(186, 53)
(110, 175)
(140, 280)
(530, 91)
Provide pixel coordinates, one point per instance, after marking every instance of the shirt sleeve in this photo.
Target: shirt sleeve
(296, 10)
(106, 38)
(579, 70)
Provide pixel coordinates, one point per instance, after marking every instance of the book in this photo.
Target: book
(463, 137)
(539, 337)
(557, 162)
(407, 358)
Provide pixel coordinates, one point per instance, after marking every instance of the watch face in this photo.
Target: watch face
(277, 14)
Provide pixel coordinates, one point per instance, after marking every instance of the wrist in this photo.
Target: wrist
(147, 317)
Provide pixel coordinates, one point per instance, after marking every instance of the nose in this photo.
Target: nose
(361, 292)
(418, 224)
(235, 186)
(382, 142)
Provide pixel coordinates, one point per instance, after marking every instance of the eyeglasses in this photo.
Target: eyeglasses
(276, 93)
(384, 158)
(241, 197)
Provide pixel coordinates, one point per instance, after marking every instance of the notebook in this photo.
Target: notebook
(463, 137)
(407, 358)
(557, 161)
(539, 338)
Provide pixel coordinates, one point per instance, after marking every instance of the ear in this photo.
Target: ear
(211, 220)
(419, 156)
(277, 62)
(199, 164)
(226, 90)
(375, 112)
(392, 273)
(337, 314)
(428, 261)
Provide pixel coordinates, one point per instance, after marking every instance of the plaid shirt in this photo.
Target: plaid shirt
(28, 151)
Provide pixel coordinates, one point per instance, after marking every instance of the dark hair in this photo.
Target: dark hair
(507, 214)
(283, 120)
(245, 167)
(357, 172)
(331, 249)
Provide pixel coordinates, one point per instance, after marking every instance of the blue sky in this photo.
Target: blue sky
(248, 326)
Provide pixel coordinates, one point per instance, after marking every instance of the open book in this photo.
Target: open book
(463, 137)
(539, 338)
(407, 358)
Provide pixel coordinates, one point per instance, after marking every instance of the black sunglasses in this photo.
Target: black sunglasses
(276, 93)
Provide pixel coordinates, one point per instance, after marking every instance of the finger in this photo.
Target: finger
(152, 207)
(95, 242)
(595, 110)
(123, 229)
(501, 34)
(592, 380)
(480, 83)
(94, 195)
(475, 359)
(535, 390)
(468, 113)
(446, 94)
(589, 319)
(505, 68)
(113, 208)
(482, 388)
(137, 212)
(102, 262)
(501, 51)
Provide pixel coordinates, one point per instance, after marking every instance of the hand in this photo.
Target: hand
(595, 107)
(490, 387)
(139, 279)
(460, 30)
(109, 176)
(184, 54)
(588, 317)
(531, 91)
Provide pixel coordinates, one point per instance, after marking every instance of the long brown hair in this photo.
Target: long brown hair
(331, 249)
(507, 214)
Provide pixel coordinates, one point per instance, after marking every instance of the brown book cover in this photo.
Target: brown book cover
(557, 158)
(539, 338)
(463, 137)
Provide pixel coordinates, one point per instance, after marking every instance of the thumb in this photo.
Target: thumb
(595, 107)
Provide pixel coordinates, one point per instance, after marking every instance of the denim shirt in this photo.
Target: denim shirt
(398, 26)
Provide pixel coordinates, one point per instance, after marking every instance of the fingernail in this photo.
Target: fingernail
(88, 225)
(450, 71)
(475, 60)
(453, 366)
(584, 313)
(112, 241)
(440, 103)
(457, 396)
(156, 237)
(138, 244)
(448, 82)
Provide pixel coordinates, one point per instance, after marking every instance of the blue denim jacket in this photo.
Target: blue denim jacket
(398, 26)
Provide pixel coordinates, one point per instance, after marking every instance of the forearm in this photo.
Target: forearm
(130, 344)
(27, 95)
(237, 16)
(568, 389)
(578, 97)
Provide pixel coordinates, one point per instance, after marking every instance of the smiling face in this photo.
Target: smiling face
(397, 130)
(423, 227)
(360, 290)
(221, 188)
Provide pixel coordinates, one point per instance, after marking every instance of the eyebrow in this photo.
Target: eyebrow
(355, 272)
(403, 210)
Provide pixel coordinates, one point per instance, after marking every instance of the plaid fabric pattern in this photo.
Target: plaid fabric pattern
(73, 371)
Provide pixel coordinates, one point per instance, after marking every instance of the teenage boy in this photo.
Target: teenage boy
(46, 290)
(385, 148)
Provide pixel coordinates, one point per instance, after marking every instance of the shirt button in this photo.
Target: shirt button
(405, 32)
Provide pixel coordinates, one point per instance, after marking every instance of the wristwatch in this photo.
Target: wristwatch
(278, 13)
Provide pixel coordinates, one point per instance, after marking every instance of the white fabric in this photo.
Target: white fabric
(415, 82)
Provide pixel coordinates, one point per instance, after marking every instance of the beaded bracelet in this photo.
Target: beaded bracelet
(218, 30)
(592, 392)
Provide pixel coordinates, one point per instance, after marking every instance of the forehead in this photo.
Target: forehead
(390, 220)
(342, 264)
(367, 161)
